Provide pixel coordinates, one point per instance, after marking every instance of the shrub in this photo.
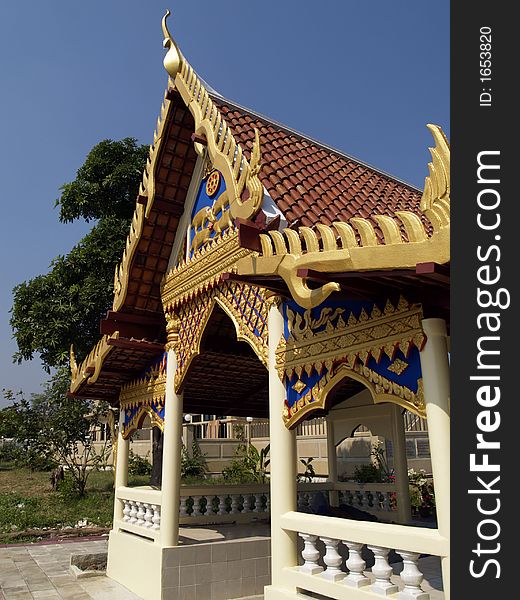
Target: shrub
(194, 465)
(139, 465)
(367, 474)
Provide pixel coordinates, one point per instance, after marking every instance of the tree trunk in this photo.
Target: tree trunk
(157, 452)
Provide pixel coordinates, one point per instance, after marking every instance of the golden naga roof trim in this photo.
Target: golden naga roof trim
(90, 368)
(354, 246)
(142, 211)
(225, 152)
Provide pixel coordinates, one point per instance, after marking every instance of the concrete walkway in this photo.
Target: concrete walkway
(41, 572)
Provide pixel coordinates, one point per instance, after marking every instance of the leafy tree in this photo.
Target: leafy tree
(64, 306)
(53, 428)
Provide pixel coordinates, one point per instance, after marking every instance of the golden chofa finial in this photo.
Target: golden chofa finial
(172, 60)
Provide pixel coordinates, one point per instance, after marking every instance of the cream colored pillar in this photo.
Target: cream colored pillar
(332, 461)
(171, 466)
(121, 466)
(404, 508)
(283, 469)
(436, 383)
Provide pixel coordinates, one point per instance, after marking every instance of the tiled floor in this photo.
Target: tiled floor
(41, 572)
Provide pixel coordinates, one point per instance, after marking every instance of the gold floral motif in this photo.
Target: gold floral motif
(398, 366)
(299, 386)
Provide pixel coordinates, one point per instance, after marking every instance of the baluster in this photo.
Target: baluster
(222, 509)
(412, 577)
(148, 516)
(267, 503)
(196, 507)
(211, 506)
(350, 498)
(333, 560)
(133, 512)
(156, 520)
(126, 511)
(234, 504)
(356, 566)
(183, 507)
(258, 503)
(310, 554)
(383, 571)
(386, 501)
(246, 504)
(140, 514)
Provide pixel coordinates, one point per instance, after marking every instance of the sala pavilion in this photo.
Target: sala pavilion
(268, 275)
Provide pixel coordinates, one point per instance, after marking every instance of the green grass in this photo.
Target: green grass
(28, 502)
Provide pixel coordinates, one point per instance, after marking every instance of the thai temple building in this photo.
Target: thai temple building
(267, 275)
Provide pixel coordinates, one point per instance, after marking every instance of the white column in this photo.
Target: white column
(332, 461)
(171, 467)
(121, 466)
(436, 383)
(400, 466)
(283, 467)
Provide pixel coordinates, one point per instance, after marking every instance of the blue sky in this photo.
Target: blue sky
(364, 77)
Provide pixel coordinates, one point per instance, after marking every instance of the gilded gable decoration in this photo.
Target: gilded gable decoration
(243, 192)
(376, 346)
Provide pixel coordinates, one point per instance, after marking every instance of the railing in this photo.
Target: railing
(224, 429)
(371, 497)
(141, 511)
(141, 506)
(332, 557)
(221, 504)
(414, 423)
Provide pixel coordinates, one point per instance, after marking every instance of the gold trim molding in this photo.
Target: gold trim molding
(354, 246)
(203, 270)
(93, 362)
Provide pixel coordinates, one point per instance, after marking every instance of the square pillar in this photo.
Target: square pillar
(436, 382)
(283, 468)
(404, 509)
(121, 450)
(171, 465)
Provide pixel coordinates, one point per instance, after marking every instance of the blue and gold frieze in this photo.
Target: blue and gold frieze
(145, 396)
(370, 343)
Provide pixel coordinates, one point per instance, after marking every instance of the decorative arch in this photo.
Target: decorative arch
(246, 307)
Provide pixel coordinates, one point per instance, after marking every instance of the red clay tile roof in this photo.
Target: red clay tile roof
(312, 183)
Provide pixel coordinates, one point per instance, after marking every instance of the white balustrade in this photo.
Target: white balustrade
(356, 566)
(324, 571)
(141, 510)
(333, 560)
(140, 514)
(310, 554)
(411, 577)
(383, 571)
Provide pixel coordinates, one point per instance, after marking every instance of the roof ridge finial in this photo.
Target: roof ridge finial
(172, 60)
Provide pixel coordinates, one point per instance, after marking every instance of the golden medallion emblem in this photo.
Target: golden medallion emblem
(212, 183)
